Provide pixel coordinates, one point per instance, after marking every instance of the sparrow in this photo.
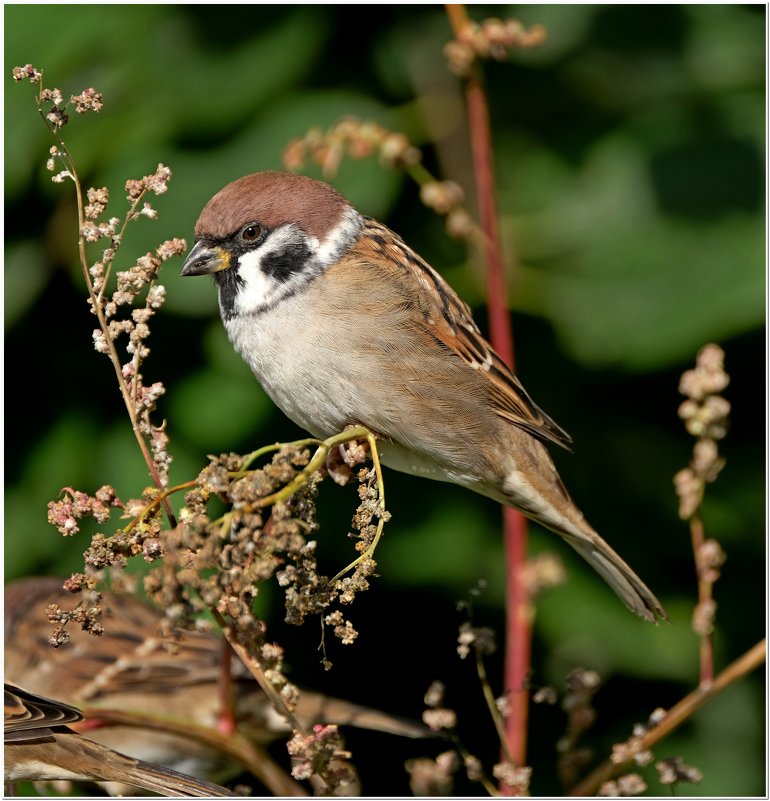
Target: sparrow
(343, 324)
(40, 746)
(132, 668)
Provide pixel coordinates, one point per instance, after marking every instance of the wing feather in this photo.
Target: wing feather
(450, 322)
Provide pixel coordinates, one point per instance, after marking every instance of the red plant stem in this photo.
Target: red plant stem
(518, 613)
(518, 643)
(704, 597)
(500, 331)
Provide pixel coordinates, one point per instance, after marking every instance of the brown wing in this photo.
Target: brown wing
(451, 323)
(31, 716)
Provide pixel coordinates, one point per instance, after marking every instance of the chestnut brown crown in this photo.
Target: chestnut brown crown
(272, 199)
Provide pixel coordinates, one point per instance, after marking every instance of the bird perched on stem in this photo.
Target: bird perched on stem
(342, 323)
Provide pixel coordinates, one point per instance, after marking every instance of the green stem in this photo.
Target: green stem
(316, 462)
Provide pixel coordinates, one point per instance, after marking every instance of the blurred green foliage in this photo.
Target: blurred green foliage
(629, 154)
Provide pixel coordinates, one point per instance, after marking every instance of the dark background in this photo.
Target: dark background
(629, 155)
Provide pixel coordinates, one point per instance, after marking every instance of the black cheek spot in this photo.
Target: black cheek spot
(283, 264)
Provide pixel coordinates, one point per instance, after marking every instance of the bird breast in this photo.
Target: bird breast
(299, 364)
(332, 355)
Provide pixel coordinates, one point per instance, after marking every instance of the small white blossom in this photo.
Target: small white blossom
(156, 296)
(100, 343)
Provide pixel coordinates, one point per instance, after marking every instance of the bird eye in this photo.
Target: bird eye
(251, 232)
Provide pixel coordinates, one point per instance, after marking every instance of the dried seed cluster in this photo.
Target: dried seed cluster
(705, 415)
(202, 564)
(674, 770)
(634, 749)
(221, 563)
(577, 702)
(627, 785)
(492, 38)
(433, 777)
(358, 139)
(322, 753)
(353, 138)
(480, 638)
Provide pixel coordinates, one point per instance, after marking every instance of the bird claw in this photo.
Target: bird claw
(341, 460)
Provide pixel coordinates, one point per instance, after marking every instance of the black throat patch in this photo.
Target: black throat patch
(229, 283)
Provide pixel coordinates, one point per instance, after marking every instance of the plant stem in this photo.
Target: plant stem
(255, 668)
(226, 721)
(705, 590)
(489, 697)
(161, 497)
(519, 632)
(677, 715)
(235, 745)
(96, 306)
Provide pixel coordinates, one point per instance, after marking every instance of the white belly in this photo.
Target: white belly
(309, 381)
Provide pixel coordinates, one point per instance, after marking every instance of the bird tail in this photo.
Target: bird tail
(263, 724)
(535, 488)
(317, 708)
(165, 781)
(634, 593)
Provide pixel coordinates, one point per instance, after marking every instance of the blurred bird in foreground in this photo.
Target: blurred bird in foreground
(134, 669)
(40, 746)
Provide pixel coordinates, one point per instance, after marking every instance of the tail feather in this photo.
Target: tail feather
(533, 486)
(634, 593)
(165, 781)
(317, 708)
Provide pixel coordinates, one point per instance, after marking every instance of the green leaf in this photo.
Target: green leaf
(217, 411)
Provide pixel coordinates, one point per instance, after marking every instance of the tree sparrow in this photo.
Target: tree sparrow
(39, 746)
(132, 668)
(342, 323)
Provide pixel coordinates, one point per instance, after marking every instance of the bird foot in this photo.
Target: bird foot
(341, 460)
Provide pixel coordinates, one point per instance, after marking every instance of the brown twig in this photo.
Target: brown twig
(677, 715)
(519, 633)
(705, 597)
(95, 299)
(250, 661)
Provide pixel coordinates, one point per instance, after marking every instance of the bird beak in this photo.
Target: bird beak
(205, 260)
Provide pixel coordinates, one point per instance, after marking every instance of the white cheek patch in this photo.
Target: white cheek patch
(260, 288)
(339, 239)
(257, 288)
